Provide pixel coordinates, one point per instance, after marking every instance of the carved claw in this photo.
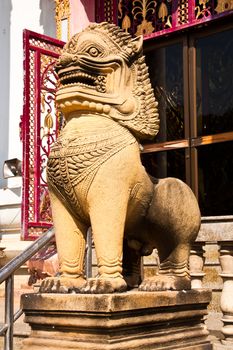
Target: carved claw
(103, 286)
(60, 284)
(165, 282)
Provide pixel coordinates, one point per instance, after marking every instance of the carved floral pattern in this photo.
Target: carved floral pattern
(149, 16)
(206, 8)
(142, 17)
(224, 5)
(39, 124)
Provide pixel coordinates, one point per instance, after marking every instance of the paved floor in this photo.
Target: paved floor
(17, 343)
(21, 329)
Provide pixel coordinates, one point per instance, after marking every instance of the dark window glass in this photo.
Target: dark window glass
(165, 164)
(166, 74)
(215, 176)
(215, 83)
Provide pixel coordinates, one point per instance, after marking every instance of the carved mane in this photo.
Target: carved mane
(145, 123)
(143, 118)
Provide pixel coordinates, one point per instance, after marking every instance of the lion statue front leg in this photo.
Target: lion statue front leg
(71, 246)
(108, 201)
(105, 207)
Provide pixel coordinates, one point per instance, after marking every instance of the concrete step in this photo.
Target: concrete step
(18, 343)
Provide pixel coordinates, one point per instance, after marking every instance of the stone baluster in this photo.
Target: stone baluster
(196, 263)
(226, 303)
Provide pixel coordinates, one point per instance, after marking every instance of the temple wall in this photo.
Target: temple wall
(82, 12)
(36, 15)
(15, 16)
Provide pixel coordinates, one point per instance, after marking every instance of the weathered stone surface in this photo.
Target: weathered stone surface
(95, 176)
(216, 229)
(220, 346)
(132, 320)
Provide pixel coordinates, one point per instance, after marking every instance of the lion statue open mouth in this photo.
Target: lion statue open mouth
(96, 178)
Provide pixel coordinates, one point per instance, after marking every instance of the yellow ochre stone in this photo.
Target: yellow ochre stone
(96, 178)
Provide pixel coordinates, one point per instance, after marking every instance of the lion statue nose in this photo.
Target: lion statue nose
(65, 60)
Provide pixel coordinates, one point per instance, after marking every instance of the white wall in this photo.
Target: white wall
(5, 10)
(16, 15)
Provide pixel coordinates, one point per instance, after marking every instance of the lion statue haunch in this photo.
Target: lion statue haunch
(96, 178)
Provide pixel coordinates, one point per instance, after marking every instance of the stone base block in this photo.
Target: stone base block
(132, 320)
(222, 346)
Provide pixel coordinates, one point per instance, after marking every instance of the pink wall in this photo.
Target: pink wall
(82, 13)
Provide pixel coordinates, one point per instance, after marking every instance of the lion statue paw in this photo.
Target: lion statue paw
(102, 285)
(60, 284)
(165, 282)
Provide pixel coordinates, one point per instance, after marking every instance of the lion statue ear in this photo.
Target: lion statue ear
(132, 48)
(137, 44)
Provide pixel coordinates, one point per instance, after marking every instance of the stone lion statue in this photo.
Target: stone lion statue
(96, 178)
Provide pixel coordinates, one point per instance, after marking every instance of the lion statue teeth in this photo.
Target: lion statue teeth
(95, 176)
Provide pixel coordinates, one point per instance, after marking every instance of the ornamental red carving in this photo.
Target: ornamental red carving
(39, 126)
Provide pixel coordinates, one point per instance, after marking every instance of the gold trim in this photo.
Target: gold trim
(62, 12)
(224, 5)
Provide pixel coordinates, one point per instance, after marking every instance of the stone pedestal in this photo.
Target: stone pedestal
(133, 320)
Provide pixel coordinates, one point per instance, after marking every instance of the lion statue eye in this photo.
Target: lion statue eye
(93, 51)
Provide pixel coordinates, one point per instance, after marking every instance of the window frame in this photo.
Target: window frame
(184, 143)
(195, 140)
(192, 141)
